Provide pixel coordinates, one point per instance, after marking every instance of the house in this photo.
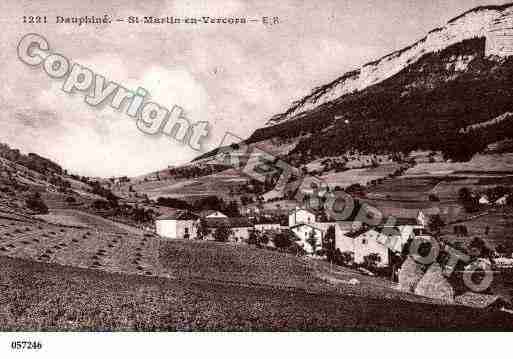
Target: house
(362, 243)
(301, 216)
(239, 227)
(502, 201)
(304, 232)
(401, 230)
(213, 214)
(484, 200)
(180, 224)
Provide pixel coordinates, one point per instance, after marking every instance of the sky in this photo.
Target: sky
(235, 77)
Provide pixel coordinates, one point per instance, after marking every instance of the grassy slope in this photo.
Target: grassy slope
(49, 297)
(193, 286)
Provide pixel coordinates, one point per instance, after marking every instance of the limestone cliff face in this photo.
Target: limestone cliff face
(492, 22)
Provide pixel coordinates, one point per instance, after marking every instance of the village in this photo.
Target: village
(305, 228)
(382, 250)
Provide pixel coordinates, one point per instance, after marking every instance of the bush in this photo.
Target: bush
(221, 234)
(36, 203)
(433, 198)
(281, 240)
(101, 204)
(71, 199)
(371, 261)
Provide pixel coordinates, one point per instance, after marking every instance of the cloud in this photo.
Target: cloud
(103, 141)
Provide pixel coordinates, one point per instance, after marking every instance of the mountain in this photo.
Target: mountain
(419, 97)
(478, 22)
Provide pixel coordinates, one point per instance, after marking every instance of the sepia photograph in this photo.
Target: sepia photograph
(255, 166)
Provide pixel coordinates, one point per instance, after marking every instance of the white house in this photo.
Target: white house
(401, 230)
(301, 216)
(239, 227)
(484, 200)
(502, 201)
(303, 232)
(181, 224)
(363, 243)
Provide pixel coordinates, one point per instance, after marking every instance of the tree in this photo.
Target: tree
(281, 240)
(435, 223)
(221, 234)
(232, 209)
(264, 239)
(203, 230)
(501, 249)
(328, 243)
(479, 249)
(173, 203)
(343, 258)
(356, 189)
(312, 241)
(253, 238)
(469, 202)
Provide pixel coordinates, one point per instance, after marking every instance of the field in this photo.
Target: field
(499, 221)
(403, 189)
(62, 278)
(480, 163)
(215, 184)
(73, 217)
(360, 175)
(38, 296)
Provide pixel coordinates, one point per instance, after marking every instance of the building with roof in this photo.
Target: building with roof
(303, 232)
(177, 225)
(362, 243)
(301, 216)
(484, 200)
(502, 200)
(239, 227)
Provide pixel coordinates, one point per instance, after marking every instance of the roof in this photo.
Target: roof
(179, 215)
(231, 222)
(356, 233)
(307, 225)
(267, 222)
(404, 222)
(208, 212)
(297, 209)
(348, 226)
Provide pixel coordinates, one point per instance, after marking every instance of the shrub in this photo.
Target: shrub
(281, 240)
(221, 234)
(70, 199)
(371, 261)
(433, 198)
(345, 258)
(101, 204)
(35, 203)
